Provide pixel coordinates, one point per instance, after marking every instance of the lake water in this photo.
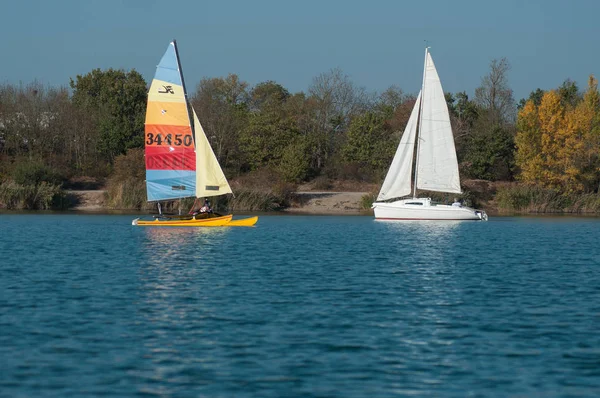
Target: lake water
(299, 307)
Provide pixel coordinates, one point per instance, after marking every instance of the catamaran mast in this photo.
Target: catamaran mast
(185, 96)
(187, 108)
(420, 123)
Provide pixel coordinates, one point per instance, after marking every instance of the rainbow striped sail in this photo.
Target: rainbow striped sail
(174, 138)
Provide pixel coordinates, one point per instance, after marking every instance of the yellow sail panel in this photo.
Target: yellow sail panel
(169, 113)
(163, 91)
(210, 180)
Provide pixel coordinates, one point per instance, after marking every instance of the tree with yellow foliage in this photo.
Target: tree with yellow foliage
(528, 142)
(558, 141)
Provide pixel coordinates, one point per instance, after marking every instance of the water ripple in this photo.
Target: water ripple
(300, 306)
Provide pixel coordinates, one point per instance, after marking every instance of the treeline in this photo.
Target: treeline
(268, 137)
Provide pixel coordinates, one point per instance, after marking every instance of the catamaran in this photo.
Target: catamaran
(436, 166)
(180, 162)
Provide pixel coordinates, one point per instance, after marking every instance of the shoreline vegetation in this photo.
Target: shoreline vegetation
(330, 198)
(323, 151)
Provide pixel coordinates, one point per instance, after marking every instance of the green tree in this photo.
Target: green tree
(569, 93)
(333, 99)
(294, 164)
(222, 106)
(535, 96)
(117, 101)
(486, 147)
(265, 137)
(391, 99)
(370, 142)
(489, 153)
(268, 94)
(463, 115)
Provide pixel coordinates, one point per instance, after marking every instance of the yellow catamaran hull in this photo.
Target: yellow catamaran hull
(243, 222)
(223, 221)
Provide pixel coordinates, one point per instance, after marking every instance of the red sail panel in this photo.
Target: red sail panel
(169, 148)
(161, 158)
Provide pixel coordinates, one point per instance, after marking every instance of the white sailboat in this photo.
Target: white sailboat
(436, 166)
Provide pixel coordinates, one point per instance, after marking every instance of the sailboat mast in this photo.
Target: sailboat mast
(420, 123)
(187, 108)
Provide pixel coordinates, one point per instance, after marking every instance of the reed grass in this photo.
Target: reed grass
(521, 198)
(127, 195)
(41, 196)
(366, 201)
(250, 199)
(126, 186)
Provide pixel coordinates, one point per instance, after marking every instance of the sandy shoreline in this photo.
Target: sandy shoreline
(310, 202)
(329, 203)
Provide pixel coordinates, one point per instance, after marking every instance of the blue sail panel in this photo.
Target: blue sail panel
(167, 69)
(170, 184)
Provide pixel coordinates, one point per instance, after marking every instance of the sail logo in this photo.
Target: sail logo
(167, 90)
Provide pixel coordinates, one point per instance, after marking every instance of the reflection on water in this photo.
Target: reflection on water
(164, 244)
(172, 296)
(427, 260)
(429, 227)
(174, 256)
(299, 307)
(430, 239)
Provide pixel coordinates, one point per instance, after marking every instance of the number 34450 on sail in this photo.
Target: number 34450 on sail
(168, 139)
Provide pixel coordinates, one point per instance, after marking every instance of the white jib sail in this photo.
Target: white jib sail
(210, 180)
(397, 180)
(438, 168)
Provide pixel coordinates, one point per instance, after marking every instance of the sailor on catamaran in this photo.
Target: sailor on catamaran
(206, 208)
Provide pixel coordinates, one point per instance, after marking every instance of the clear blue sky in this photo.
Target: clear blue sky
(377, 43)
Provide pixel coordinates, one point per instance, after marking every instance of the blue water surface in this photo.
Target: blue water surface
(299, 307)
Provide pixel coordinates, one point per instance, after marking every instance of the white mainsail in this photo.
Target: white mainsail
(210, 179)
(397, 182)
(437, 168)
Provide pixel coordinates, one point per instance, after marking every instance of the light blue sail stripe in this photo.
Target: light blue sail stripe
(167, 69)
(168, 75)
(170, 184)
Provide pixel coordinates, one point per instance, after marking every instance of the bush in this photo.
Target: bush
(128, 194)
(586, 203)
(294, 165)
(367, 201)
(263, 190)
(256, 199)
(31, 185)
(253, 200)
(126, 186)
(42, 196)
(535, 199)
(322, 183)
(27, 172)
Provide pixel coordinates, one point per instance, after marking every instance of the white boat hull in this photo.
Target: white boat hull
(423, 209)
